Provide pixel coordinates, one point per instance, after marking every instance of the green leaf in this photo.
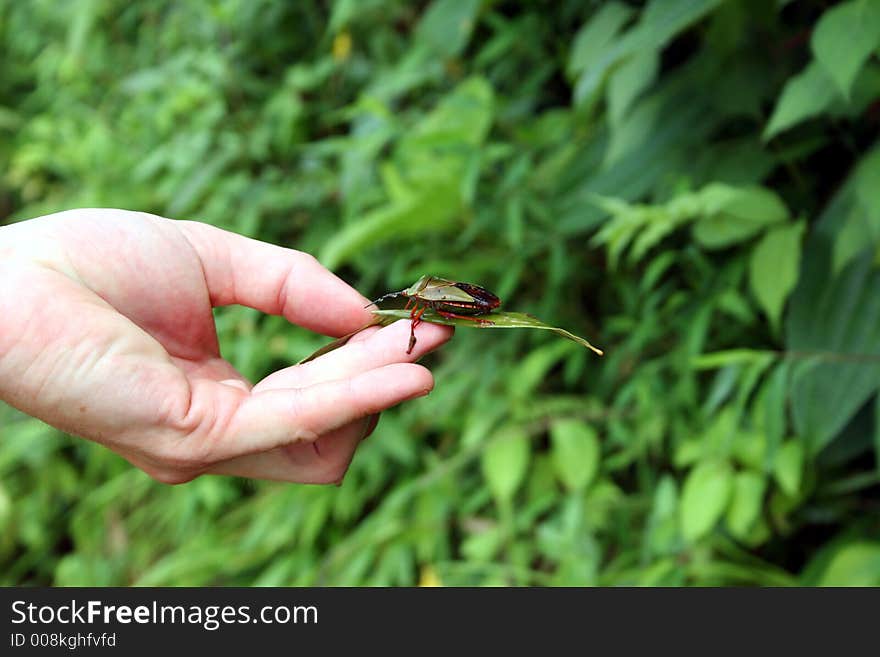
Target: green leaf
(576, 453)
(771, 411)
(735, 214)
(494, 320)
(596, 36)
(704, 498)
(430, 211)
(855, 563)
(837, 321)
(861, 224)
(853, 237)
(788, 467)
(505, 462)
(599, 50)
(628, 81)
(532, 369)
(482, 546)
(773, 269)
(663, 19)
(461, 117)
(663, 521)
(844, 38)
(805, 95)
(746, 504)
(338, 342)
(447, 25)
(860, 228)
(877, 432)
(428, 177)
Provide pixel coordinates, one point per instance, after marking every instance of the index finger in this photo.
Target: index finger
(275, 280)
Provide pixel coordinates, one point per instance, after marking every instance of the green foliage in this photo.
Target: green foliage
(704, 498)
(694, 185)
(844, 39)
(576, 452)
(773, 269)
(493, 320)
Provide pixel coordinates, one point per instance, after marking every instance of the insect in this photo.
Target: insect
(447, 298)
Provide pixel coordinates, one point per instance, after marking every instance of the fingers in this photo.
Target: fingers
(272, 418)
(313, 403)
(376, 349)
(323, 462)
(275, 280)
(215, 369)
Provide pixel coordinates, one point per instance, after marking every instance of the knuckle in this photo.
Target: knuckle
(187, 455)
(307, 259)
(332, 473)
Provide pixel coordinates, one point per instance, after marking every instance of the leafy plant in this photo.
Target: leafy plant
(693, 184)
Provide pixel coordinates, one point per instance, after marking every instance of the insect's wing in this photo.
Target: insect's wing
(416, 288)
(439, 289)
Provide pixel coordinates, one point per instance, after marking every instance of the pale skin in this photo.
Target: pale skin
(106, 332)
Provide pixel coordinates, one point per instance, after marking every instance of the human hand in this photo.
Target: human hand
(106, 332)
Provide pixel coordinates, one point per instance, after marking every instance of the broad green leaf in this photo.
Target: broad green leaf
(482, 546)
(494, 320)
(788, 467)
(746, 504)
(659, 23)
(834, 321)
(854, 237)
(505, 461)
(663, 521)
(429, 181)
(629, 80)
(835, 324)
(723, 214)
(844, 38)
(856, 563)
(576, 453)
(805, 95)
(734, 214)
(749, 449)
(425, 212)
(597, 35)
(861, 221)
(461, 117)
(773, 269)
(877, 432)
(705, 495)
(532, 370)
(663, 19)
(447, 25)
(771, 409)
(338, 342)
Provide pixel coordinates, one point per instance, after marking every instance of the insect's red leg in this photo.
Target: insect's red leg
(469, 318)
(416, 320)
(408, 301)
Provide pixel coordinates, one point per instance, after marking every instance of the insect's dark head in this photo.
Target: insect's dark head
(481, 295)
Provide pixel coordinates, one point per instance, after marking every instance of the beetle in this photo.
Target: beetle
(447, 298)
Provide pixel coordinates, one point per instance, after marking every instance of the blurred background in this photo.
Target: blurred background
(693, 185)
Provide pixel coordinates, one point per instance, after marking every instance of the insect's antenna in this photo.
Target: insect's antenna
(382, 298)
